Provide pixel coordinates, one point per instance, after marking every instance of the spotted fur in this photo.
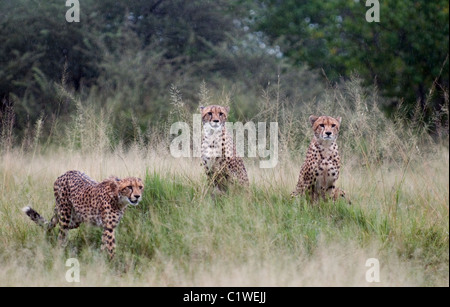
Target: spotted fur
(219, 158)
(81, 199)
(320, 171)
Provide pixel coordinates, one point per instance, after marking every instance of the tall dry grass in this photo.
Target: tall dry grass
(396, 175)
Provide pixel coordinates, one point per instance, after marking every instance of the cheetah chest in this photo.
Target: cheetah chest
(327, 169)
(215, 150)
(211, 152)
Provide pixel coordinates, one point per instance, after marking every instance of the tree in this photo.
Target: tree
(40, 48)
(404, 52)
(122, 55)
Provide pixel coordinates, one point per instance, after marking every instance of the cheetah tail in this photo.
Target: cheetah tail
(38, 219)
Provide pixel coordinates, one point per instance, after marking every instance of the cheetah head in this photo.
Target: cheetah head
(214, 117)
(325, 128)
(130, 190)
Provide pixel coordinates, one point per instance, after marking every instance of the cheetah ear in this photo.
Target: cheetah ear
(313, 119)
(339, 119)
(201, 108)
(114, 178)
(114, 188)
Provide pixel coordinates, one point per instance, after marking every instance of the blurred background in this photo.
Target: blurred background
(135, 59)
(100, 95)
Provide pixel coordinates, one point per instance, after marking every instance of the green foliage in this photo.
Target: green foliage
(168, 224)
(38, 46)
(126, 55)
(405, 53)
(395, 174)
(123, 57)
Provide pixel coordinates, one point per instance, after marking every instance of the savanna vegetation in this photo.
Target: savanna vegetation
(100, 96)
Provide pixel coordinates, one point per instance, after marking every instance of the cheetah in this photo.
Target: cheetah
(320, 171)
(81, 199)
(218, 151)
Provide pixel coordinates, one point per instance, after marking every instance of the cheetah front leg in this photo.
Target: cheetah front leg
(331, 192)
(301, 187)
(306, 189)
(304, 183)
(338, 192)
(109, 241)
(62, 236)
(110, 221)
(299, 190)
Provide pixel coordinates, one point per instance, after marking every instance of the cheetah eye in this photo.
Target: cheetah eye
(210, 113)
(141, 187)
(130, 187)
(220, 114)
(333, 125)
(322, 125)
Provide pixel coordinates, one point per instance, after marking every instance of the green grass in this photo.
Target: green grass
(181, 235)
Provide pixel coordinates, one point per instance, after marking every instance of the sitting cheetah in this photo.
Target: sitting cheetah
(320, 171)
(80, 199)
(218, 150)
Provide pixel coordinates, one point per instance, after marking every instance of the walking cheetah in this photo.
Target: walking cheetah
(320, 171)
(81, 199)
(218, 150)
